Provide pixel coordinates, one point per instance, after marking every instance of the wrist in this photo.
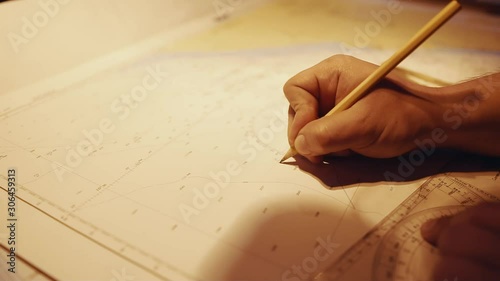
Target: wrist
(469, 116)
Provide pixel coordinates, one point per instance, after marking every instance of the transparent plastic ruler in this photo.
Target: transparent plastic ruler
(394, 249)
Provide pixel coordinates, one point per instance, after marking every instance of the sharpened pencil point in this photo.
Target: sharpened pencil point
(290, 153)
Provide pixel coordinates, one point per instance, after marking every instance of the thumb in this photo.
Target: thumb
(338, 132)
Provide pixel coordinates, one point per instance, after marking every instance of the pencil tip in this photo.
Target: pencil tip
(291, 152)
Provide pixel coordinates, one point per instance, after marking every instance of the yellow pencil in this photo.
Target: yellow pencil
(424, 33)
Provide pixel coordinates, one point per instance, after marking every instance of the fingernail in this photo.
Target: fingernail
(301, 145)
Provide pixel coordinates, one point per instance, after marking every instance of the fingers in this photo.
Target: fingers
(336, 133)
(469, 243)
(300, 92)
(485, 216)
(312, 92)
(299, 115)
(432, 229)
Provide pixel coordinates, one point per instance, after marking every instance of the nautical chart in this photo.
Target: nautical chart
(167, 169)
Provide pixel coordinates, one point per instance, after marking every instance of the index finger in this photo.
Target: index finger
(301, 91)
(313, 92)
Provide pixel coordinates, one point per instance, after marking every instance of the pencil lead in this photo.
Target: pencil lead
(290, 153)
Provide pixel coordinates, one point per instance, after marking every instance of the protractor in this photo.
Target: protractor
(403, 254)
(393, 248)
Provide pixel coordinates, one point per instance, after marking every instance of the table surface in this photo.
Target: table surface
(291, 22)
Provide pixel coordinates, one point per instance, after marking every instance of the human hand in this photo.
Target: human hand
(469, 243)
(385, 123)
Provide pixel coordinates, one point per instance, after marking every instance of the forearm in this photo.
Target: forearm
(471, 121)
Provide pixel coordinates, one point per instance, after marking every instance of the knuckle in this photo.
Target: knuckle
(339, 59)
(287, 86)
(292, 83)
(303, 108)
